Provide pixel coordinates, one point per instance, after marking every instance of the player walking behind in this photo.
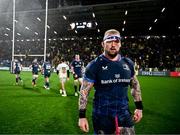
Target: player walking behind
(17, 70)
(46, 70)
(63, 72)
(77, 68)
(35, 70)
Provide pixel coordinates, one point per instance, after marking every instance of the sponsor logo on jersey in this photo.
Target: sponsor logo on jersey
(126, 67)
(111, 81)
(117, 75)
(104, 67)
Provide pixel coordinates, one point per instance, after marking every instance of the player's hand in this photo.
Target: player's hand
(75, 75)
(137, 115)
(68, 78)
(83, 124)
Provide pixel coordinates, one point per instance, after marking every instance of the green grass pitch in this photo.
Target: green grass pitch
(28, 110)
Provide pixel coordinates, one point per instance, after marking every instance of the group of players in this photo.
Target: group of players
(110, 74)
(62, 70)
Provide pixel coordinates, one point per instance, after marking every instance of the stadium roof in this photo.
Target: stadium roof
(89, 18)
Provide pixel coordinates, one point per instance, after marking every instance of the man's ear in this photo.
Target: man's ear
(120, 45)
(102, 43)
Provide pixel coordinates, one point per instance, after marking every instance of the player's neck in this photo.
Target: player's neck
(77, 59)
(116, 58)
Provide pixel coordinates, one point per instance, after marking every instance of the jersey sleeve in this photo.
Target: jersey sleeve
(90, 72)
(58, 67)
(72, 64)
(131, 66)
(67, 67)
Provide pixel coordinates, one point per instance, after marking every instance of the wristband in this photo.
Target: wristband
(82, 113)
(139, 105)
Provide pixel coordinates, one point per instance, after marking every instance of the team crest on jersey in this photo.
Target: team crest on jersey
(117, 75)
(104, 67)
(126, 67)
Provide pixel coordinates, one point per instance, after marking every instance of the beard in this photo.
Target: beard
(111, 55)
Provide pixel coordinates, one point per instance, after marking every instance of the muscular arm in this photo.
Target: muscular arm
(136, 93)
(84, 92)
(135, 89)
(83, 98)
(72, 69)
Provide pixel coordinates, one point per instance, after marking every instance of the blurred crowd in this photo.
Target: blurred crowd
(156, 53)
(162, 54)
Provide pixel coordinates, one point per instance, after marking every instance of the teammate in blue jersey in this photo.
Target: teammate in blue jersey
(77, 68)
(46, 70)
(35, 70)
(17, 70)
(110, 74)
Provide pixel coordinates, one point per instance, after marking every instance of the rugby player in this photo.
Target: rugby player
(17, 70)
(110, 74)
(46, 70)
(35, 70)
(63, 72)
(77, 66)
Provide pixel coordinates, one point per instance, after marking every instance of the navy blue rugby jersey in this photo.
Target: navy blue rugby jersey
(17, 67)
(77, 65)
(47, 68)
(35, 68)
(111, 80)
